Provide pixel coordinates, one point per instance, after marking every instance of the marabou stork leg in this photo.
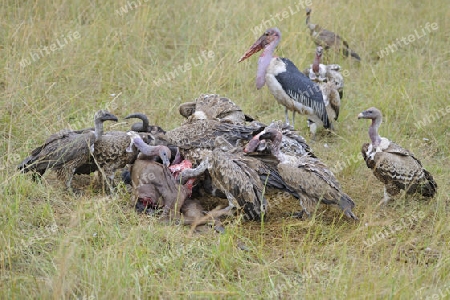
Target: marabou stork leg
(287, 116)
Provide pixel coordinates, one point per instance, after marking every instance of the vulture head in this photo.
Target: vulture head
(103, 115)
(269, 133)
(160, 151)
(371, 113)
(375, 115)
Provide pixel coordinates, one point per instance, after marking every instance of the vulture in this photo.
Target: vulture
(233, 176)
(214, 107)
(112, 152)
(148, 152)
(290, 87)
(146, 131)
(155, 186)
(319, 72)
(329, 39)
(331, 84)
(397, 168)
(144, 126)
(332, 102)
(152, 180)
(310, 179)
(197, 140)
(67, 150)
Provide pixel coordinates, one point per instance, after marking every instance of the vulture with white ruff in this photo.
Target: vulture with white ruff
(331, 85)
(311, 180)
(319, 72)
(397, 168)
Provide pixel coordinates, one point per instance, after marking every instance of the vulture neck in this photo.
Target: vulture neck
(373, 132)
(316, 64)
(98, 123)
(308, 24)
(263, 63)
(275, 147)
(151, 151)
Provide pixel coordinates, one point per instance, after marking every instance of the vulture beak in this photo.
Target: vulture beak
(255, 48)
(254, 143)
(166, 161)
(361, 115)
(110, 117)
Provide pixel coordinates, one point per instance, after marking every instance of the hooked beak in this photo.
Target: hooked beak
(254, 142)
(166, 161)
(361, 115)
(255, 48)
(252, 145)
(110, 117)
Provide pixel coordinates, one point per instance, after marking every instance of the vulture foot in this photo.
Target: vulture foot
(299, 214)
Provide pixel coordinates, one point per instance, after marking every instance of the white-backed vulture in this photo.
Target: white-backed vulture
(67, 150)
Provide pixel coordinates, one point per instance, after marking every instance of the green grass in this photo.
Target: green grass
(53, 245)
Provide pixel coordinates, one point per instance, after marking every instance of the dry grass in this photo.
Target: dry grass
(53, 245)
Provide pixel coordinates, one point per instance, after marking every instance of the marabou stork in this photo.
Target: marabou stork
(289, 86)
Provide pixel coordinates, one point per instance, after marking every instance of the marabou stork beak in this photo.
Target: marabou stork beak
(255, 48)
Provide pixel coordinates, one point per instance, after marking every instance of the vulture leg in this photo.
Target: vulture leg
(390, 190)
(231, 201)
(386, 197)
(69, 177)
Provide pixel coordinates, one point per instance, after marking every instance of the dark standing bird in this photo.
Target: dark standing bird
(66, 150)
(328, 39)
(287, 84)
(311, 180)
(393, 165)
